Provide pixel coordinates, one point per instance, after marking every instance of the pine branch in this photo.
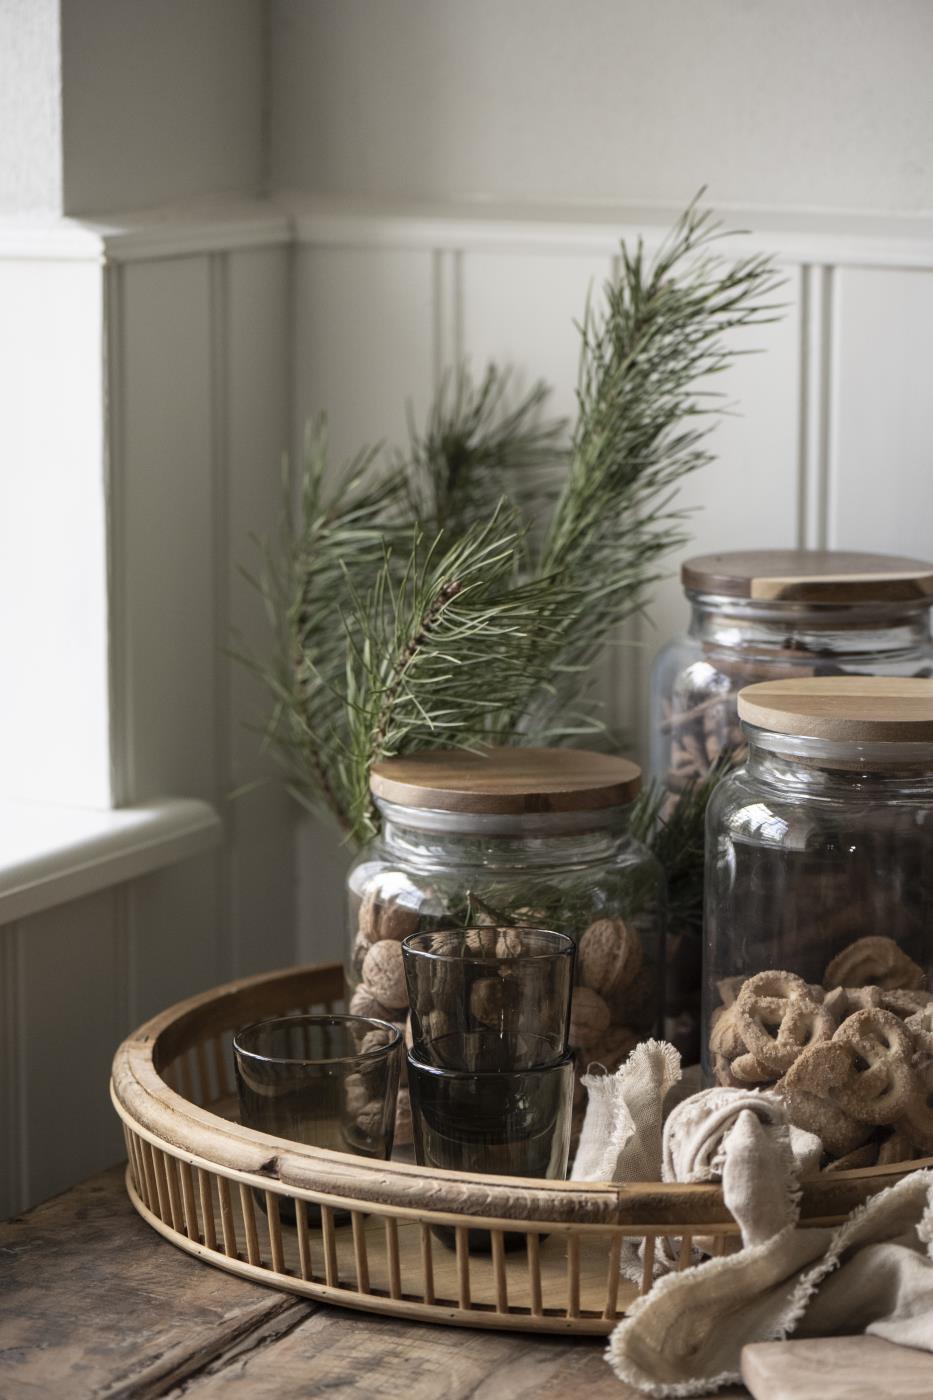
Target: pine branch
(483, 443)
(461, 595)
(438, 655)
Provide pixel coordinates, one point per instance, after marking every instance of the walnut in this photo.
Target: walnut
(356, 1094)
(510, 943)
(481, 942)
(376, 1039)
(490, 998)
(383, 916)
(610, 957)
(371, 1118)
(364, 1003)
(367, 918)
(397, 922)
(589, 1017)
(384, 973)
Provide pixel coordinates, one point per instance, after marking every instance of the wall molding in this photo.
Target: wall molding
(799, 236)
(53, 855)
(804, 237)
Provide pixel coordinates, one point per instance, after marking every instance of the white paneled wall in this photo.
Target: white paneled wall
(196, 348)
(205, 393)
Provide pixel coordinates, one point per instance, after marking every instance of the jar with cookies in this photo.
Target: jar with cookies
(760, 615)
(520, 837)
(818, 930)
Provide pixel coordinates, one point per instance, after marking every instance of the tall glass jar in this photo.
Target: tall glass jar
(819, 896)
(521, 837)
(767, 615)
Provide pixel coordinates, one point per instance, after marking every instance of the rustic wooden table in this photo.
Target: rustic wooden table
(93, 1304)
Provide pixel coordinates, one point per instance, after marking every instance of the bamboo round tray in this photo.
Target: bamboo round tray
(195, 1176)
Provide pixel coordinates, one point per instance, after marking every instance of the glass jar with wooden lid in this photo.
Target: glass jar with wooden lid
(761, 615)
(818, 937)
(514, 837)
(771, 614)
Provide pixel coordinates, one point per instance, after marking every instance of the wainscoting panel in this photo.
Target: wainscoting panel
(365, 342)
(177, 944)
(72, 985)
(521, 311)
(164, 466)
(258, 907)
(880, 486)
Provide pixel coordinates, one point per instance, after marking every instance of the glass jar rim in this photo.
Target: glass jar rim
(849, 612)
(875, 754)
(563, 945)
(330, 1019)
(436, 822)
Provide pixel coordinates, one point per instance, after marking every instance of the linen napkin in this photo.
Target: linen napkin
(873, 1273)
(621, 1135)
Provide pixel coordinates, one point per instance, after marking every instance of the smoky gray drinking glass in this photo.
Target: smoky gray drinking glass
(489, 999)
(495, 1121)
(327, 1081)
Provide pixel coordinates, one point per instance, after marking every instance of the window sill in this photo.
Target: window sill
(49, 854)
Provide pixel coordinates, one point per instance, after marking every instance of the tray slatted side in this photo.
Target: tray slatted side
(201, 1067)
(389, 1259)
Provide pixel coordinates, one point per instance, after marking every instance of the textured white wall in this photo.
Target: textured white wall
(163, 101)
(30, 106)
(824, 104)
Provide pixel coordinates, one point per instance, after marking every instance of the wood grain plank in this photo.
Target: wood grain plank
(86, 1256)
(175, 1326)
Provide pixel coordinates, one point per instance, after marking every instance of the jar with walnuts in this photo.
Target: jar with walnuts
(514, 837)
(818, 937)
(761, 615)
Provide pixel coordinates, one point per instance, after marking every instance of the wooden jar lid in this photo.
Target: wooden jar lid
(809, 576)
(847, 709)
(507, 780)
